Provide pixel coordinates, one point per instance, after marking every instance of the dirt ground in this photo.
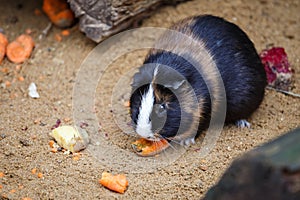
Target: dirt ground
(25, 122)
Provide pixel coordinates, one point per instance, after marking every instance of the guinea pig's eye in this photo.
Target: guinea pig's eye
(162, 107)
(160, 110)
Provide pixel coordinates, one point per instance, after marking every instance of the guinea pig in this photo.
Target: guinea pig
(175, 69)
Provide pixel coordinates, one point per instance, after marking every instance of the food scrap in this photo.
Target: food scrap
(51, 143)
(12, 191)
(33, 171)
(57, 124)
(59, 13)
(278, 70)
(3, 45)
(117, 183)
(65, 33)
(40, 175)
(144, 147)
(76, 156)
(33, 91)
(58, 37)
(21, 78)
(20, 49)
(127, 104)
(26, 198)
(69, 138)
(7, 84)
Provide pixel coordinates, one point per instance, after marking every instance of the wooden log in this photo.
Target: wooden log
(100, 19)
(271, 171)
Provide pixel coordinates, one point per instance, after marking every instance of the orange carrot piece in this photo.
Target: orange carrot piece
(21, 78)
(67, 119)
(40, 175)
(7, 83)
(59, 13)
(3, 39)
(65, 33)
(117, 183)
(27, 42)
(12, 191)
(3, 45)
(54, 150)
(16, 52)
(145, 147)
(20, 49)
(33, 171)
(58, 38)
(51, 143)
(127, 104)
(1, 174)
(5, 70)
(76, 156)
(2, 52)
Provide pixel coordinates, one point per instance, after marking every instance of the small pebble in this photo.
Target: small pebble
(67, 119)
(2, 136)
(33, 91)
(24, 142)
(203, 168)
(68, 152)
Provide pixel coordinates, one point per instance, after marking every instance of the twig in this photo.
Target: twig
(284, 91)
(45, 31)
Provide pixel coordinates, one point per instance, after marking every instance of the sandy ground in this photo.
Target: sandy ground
(26, 122)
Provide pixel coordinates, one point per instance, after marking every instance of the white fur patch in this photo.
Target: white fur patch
(144, 126)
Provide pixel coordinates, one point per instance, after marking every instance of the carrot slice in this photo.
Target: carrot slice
(16, 52)
(20, 49)
(3, 39)
(117, 183)
(26, 41)
(145, 147)
(58, 12)
(2, 52)
(3, 44)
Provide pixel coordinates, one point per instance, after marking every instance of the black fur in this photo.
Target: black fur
(235, 57)
(238, 62)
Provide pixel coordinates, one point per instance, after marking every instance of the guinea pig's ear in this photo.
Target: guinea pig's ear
(169, 77)
(143, 77)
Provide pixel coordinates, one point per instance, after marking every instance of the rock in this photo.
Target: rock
(100, 19)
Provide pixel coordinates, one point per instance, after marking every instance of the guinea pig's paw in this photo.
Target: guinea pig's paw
(187, 141)
(242, 123)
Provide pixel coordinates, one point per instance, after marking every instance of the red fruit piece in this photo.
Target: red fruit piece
(278, 70)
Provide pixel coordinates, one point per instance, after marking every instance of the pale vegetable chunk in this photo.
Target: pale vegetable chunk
(70, 138)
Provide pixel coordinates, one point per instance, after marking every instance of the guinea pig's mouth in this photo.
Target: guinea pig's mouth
(155, 138)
